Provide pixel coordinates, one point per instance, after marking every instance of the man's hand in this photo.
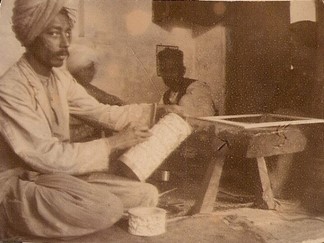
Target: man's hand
(130, 136)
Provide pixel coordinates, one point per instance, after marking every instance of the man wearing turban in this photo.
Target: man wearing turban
(50, 187)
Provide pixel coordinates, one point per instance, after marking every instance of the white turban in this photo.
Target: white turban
(31, 17)
(80, 57)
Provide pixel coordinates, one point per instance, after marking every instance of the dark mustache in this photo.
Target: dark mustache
(63, 53)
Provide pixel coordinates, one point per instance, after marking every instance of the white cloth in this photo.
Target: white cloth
(80, 57)
(39, 192)
(26, 126)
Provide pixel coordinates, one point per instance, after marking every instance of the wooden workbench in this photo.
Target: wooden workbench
(256, 143)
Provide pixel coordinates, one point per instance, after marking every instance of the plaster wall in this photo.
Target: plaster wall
(125, 38)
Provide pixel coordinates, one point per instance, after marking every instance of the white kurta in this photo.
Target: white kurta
(39, 194)
(26, 126)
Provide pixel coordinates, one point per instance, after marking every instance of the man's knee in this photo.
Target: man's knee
(112, 211)
(150, 195)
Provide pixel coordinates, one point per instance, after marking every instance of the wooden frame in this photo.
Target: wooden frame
(284, 121)
(245, 136)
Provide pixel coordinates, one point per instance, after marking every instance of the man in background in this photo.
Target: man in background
(83, 63)
(190, 93)
(195, 97)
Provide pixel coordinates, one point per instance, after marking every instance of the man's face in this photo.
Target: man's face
(171, 72)
(51, 47)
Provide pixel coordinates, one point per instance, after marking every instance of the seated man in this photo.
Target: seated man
(50, 187)
(192, 94)
(195, 97)
(81, 63)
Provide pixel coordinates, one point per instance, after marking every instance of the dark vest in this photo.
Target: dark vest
(181, 92)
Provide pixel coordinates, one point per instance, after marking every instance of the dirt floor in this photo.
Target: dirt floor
(234, 219)
(286, 224)
(235, 225)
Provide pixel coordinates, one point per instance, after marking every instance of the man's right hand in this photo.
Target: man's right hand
(130, 136)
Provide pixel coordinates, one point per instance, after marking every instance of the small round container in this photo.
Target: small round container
(147, 221)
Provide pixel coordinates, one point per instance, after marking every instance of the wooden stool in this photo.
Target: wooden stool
(256, 143)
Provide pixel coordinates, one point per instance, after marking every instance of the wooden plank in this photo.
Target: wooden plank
(209, 189)
(269, 143)
(265, 200)
(291, 120)
(293, 117)
(264, 142)
(283, 123)
(215, 118)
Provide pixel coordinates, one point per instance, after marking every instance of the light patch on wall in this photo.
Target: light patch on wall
(137, 22)
(181, 35)
(302, 10)
(113, 70)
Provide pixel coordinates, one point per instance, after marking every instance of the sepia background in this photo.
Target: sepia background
(242, 49)
(124, 35)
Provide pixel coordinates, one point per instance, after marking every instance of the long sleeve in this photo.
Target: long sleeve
(24, 126)
(113, 117)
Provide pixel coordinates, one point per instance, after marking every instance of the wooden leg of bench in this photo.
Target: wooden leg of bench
(207, 197)
(280, 174)
(267, 200)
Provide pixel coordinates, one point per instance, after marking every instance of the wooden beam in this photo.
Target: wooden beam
(275, 142)
(267, 200)
(244, 123)
(264, 142)
(209, 189)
